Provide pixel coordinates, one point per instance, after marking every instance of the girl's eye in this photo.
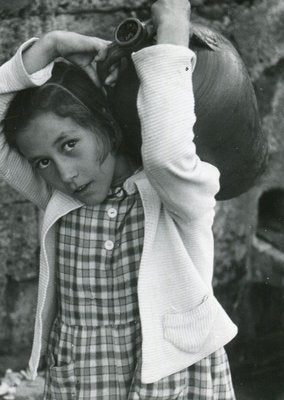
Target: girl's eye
(68, 146)
(42, 164)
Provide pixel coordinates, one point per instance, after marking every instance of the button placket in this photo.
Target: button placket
(113, 218)
(112, 212)
(109, 245)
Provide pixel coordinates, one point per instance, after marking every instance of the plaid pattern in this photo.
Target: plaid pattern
(95, 343)
(98, 285)
(208, 379)
(96, 337)
(92, 363)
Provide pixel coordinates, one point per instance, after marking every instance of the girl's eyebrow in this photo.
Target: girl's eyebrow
(63, 135)
(34, 159)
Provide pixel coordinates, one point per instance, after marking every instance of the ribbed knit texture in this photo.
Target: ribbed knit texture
(182, 322)
(14, 169)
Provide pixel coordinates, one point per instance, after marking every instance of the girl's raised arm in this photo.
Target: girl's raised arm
(32, 66)
(185, 184)
(14, 169)
(79, 49)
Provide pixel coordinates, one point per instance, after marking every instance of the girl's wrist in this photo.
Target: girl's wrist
(169, 33)
(41, 53)
(49, 43)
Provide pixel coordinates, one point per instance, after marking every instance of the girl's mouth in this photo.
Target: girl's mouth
(82, 188)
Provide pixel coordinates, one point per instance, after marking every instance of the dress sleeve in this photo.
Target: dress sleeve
(185, 184)
(14, 168)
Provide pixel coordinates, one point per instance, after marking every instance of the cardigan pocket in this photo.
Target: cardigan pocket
(62, 383)
(189, 330)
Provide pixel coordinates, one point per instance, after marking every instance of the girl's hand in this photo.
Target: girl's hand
(172, 21)
(81, 50)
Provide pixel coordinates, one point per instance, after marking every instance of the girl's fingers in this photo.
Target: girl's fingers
(114, 71)
(86, 51)
(89, 44)
(100, 46)
(80, 48)
(113, 67)
(91, 70)
(102, 53)
(80, 59)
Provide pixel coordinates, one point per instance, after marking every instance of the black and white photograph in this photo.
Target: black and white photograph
(141, 200)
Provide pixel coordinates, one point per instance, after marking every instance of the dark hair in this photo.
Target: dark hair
(70, 92)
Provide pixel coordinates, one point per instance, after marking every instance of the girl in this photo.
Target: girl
(125, 307)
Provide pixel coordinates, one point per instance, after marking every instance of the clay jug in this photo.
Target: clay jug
(228, 132)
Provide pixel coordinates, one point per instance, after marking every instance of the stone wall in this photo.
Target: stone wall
(249, 230)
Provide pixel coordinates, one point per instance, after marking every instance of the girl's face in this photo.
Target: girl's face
(67, 156)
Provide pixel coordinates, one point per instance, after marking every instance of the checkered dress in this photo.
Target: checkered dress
(95, 343)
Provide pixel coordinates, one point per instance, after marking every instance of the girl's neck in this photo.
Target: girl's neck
(124, 168)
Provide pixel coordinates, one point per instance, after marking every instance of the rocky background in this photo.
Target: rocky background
(249, 230)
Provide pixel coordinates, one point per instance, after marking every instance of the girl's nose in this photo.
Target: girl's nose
(67, 172)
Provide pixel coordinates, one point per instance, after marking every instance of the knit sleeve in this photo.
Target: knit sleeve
(185, 184)
(15, 169)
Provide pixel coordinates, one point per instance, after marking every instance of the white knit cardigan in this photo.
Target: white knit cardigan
(182, 321)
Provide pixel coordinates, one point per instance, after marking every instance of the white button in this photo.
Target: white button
(109, 245)
(112, 213)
